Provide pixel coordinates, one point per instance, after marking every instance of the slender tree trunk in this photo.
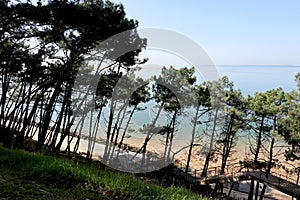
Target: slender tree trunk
(68, 120)
(76, 146)
(205, 167)
(66, 132)
(250, 196)
(125, 130)
(259, 140)
(74, 134)
(108, 133)
(47, 117)
(119, 126)
(143, 149)
(126, 127)
(57, 130)
(172, 136)
(227, 145)
(19, 141)
(269, 168)
(28, 120)
(195, 122)
(113, 134)
(167, 140)
(95, 133)
(117, 130)
(5, 84)
(150, 134)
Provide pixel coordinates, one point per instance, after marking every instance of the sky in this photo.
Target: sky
(232, 32)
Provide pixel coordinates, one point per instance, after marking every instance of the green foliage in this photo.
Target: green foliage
(289, 125)
(218, 92)
(267, 103)
(59, 177)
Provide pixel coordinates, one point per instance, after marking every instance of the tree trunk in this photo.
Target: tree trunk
(113, 134)
(205, 167)
(92, 147)
(108, 133)
(125, 130)
(5, 84)
(250, 196)
(143, 149)
(117, 127)
(269, 167)
(47, 117)
(167, 140)
(57, 130)
(126, 126)
(192, 139)
(172, 136)
(28, 119)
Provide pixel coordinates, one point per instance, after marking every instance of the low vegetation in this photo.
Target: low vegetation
(26, 175)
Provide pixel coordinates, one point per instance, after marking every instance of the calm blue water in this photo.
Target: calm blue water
(251, 79)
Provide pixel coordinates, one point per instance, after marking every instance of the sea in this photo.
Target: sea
(259, 78)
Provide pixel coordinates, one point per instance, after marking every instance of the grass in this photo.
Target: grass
(25, 175)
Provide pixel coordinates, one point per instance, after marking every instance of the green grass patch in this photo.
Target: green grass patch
(26, 175)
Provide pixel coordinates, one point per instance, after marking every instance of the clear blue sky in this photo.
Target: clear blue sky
(232, 32)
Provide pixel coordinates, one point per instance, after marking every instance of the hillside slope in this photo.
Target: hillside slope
(25, 175)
